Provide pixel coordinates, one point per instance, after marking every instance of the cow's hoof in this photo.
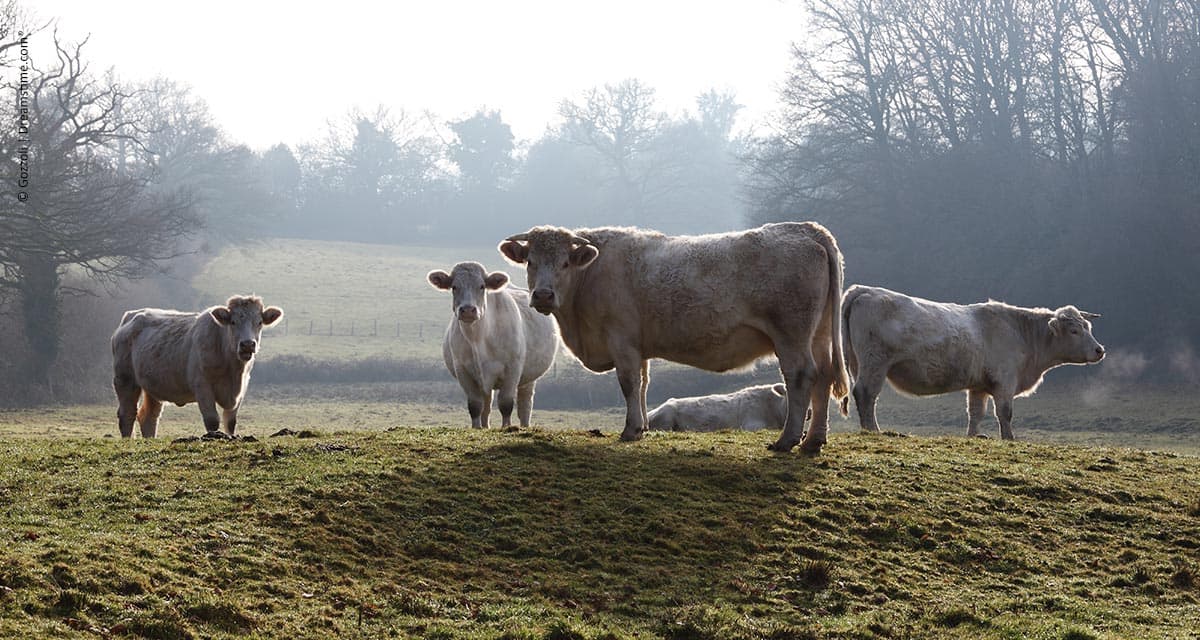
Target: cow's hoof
(632, 437)
(780, 446)
(811, 448)
(215, 435)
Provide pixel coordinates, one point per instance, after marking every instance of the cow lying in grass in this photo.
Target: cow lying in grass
(749, 409)
(989, 349)
(183, 357)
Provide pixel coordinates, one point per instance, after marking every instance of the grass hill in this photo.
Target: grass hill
(449, 533)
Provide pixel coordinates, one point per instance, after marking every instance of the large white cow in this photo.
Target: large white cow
(719, 302)
(750, 409)
(494, 342)
(989, 349)
(183, 357)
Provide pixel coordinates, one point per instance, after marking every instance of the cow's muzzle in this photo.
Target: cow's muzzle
(1099, 353)
(468, 314)
(543, 300)
(247, 349)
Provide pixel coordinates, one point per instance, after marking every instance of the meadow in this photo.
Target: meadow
(380, 515)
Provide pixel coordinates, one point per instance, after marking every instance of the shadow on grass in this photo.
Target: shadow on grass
(564, 523)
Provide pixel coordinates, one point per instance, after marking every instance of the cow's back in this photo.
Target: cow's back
(670, 294)
(156, 346)
(929, 347)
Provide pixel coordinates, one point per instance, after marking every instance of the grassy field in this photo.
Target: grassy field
(389, 519)
(360, 288)
(446, 533)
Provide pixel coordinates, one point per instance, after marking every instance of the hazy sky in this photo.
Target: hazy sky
(278, 71)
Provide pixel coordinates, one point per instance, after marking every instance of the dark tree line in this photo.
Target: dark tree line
(1039, 151)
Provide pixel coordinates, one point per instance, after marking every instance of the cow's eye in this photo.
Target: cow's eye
(566, 263)
(482, 287)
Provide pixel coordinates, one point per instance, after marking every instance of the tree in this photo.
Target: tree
(620, 123)
(483, 150)
(85, 208)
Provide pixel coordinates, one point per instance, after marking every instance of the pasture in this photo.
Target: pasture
(447, 533)
(381, 516)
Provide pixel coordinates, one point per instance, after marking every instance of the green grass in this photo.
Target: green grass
(362, 288)
(452, 533)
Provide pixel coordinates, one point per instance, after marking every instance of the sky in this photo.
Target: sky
(275, 71)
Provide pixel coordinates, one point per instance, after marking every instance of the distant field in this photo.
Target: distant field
(344, 288)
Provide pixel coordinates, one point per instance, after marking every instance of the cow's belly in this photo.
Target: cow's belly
(927, 378)
(740, 347)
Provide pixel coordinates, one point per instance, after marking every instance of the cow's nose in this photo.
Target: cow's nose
(468, 313)
(1100, 350)
(247, 345)
(542, 297)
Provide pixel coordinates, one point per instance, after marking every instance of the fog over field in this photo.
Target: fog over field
(1036, 156)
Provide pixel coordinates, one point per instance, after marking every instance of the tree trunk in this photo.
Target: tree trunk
(40, 315)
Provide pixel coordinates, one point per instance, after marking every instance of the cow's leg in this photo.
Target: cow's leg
(506, 399)
(628, 363)
(148, 415)
(230, 419)
(866, 393)
(1004, 412)
(525, 403)
(208, 411)
(799, 374)
(476, 399)
(818, 409)
(127, 404)
(486, 410)
(976, 404)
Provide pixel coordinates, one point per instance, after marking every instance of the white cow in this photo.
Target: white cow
(989, 349)
(750, 409)
(183, 357)
(495, 341)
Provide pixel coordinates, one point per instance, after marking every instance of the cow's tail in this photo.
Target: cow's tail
(847, 344)
(841, 383)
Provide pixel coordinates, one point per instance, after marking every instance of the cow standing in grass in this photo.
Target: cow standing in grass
(750, 409)
(494, 342)
(183, 357)
(988, 349)
(718, 302)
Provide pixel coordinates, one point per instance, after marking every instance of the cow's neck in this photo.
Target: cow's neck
(1042, 355)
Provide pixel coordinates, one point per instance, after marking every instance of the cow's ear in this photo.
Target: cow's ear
(1089, 315)
(496, 280)
(1054, 326)
(514, 251)
(222, 315)
(583, 255)
(440, 279)
(271, 315)
(780, 390)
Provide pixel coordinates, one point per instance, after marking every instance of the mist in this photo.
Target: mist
(1019, 169)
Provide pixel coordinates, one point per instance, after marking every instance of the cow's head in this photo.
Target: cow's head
(1073, 339)
(553, 259)
(244, 317)
(469, 283)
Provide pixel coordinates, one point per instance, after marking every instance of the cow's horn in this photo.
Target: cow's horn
(1089, 315)
(578, 240)
(520, 237)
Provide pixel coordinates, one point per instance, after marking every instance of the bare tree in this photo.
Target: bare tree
(80, 209)
(621, 123)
